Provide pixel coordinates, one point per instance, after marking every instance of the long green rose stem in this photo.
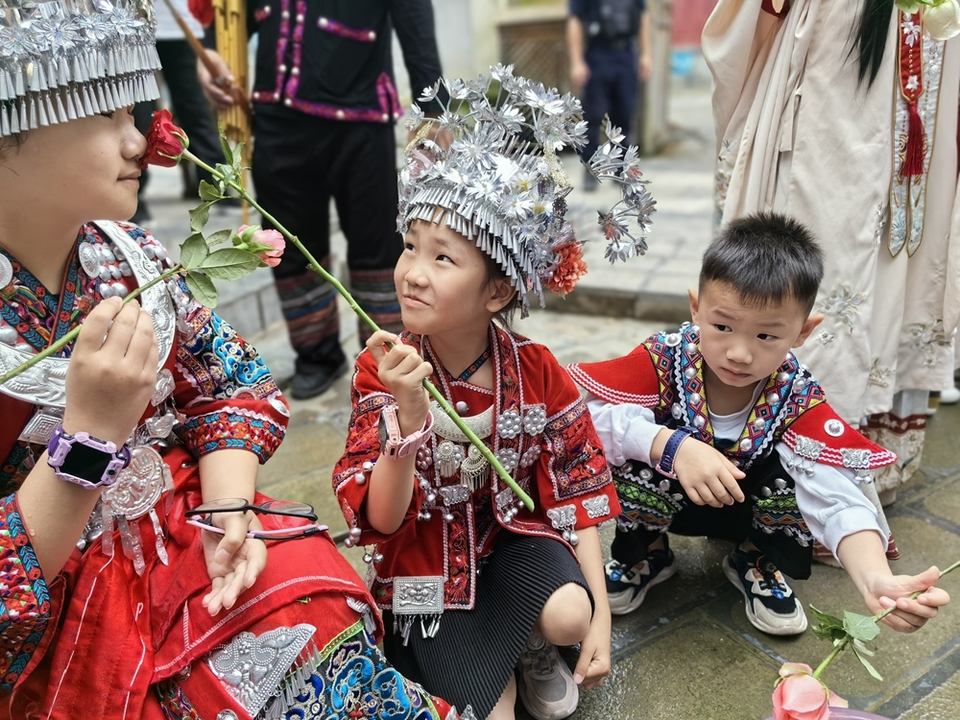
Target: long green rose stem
(876, 618)
(72, 335)
(338, 286)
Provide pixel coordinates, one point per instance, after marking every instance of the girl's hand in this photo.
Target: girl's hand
(402, 371)
(234, 561)
(886, 591)
(706, 476)
(594, 663)
(117, 348)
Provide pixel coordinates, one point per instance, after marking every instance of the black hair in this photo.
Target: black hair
(14, 140)
(870, 37)
(767, 258)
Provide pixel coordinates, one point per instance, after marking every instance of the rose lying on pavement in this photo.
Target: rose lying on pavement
(801, 696)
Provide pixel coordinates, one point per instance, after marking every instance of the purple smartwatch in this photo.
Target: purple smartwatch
(77, 458)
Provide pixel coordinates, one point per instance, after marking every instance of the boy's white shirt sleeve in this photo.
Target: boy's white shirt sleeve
(830, 500)
(626, 431)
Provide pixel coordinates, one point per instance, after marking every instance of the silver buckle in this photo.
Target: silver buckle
(418, 595)
(40, 428)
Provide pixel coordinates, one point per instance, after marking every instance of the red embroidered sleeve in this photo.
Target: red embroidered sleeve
(352, 472)
(573, 469)
(24, 599)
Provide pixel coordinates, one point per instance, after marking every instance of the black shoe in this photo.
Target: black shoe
(315, 382)
(770, 603)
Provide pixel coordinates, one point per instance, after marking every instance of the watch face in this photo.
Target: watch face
(86, 462)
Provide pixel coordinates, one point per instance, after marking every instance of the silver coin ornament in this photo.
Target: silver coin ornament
(139, 485)
(6, 271)
(89, 259)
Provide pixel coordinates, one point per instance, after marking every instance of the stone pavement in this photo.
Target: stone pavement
(689, 651)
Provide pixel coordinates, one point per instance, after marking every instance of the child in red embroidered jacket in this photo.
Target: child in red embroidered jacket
(471, 580)
(698, 421)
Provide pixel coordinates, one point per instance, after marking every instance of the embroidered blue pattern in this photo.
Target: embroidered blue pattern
(354, 679)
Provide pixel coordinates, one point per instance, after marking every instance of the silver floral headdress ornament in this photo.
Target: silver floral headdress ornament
(502, 185)
(65, 59)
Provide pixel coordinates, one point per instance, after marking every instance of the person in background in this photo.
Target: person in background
(609, 46)
(325, 104)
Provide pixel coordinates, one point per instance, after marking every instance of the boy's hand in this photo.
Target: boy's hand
(594, 663)
(234, 561)
(402, 371)
(886, 591)
(117, 348)
(706, 475)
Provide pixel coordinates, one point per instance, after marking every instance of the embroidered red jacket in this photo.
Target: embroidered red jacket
(543, 434)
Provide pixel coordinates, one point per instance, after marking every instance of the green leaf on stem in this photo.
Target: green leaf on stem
(224, 143)
(230, 264)
(869, 652)
(829, 628)
(199, 216)
(202, 289)
(219, 237)
(866, 663)
(238, 156)
(860, 627)
(193, 251)
(227, 172)
(209, 192)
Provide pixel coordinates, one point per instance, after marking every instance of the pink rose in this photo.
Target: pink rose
(801, 696)
(268, 244)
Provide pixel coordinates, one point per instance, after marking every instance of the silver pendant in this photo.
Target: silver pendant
(89, 260)
(40, 428)
(6, 271)
(139, 485)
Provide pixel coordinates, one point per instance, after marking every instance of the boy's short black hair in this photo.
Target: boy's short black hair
(767, 258)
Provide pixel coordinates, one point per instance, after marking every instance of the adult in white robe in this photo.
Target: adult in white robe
(799, 133)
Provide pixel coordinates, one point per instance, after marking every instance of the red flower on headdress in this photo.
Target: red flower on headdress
(165, 142)
(570, 267)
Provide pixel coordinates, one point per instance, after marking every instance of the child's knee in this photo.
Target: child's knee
(565, 618)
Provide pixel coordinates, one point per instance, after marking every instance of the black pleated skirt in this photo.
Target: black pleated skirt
(470, 659)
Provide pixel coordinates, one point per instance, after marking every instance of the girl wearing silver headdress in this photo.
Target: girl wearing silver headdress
(474, 583)
(113, 604)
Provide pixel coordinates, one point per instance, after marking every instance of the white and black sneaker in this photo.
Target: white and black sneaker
(627, 587)
(546, 684)
(770, 602)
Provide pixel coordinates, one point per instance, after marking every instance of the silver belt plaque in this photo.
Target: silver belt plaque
(418, 595)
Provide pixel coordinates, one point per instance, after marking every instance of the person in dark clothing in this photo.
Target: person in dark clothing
(324, 107)
(609, 46)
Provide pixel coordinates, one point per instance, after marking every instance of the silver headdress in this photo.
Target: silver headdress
(502, 185)
(65, 59)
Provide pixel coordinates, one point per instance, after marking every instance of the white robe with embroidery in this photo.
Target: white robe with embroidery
(798, 135)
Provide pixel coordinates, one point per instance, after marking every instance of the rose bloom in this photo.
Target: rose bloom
(570, 268)
(801, 696)
(165, 142)
(270, 238)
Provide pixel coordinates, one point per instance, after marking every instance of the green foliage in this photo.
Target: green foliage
(202, 289)
(860, 627)
(219, 237)
(199, 216)
(209, 192)
(193, 251)
(230, 264)
(830, 627)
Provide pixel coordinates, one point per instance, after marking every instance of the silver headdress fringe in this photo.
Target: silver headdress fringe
(65, 59)
(501, 183)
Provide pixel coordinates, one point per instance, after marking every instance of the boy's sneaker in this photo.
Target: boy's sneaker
(546, 684)
(771, 605)
(627, 587)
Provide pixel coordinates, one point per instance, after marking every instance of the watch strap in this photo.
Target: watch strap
(669, 455)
